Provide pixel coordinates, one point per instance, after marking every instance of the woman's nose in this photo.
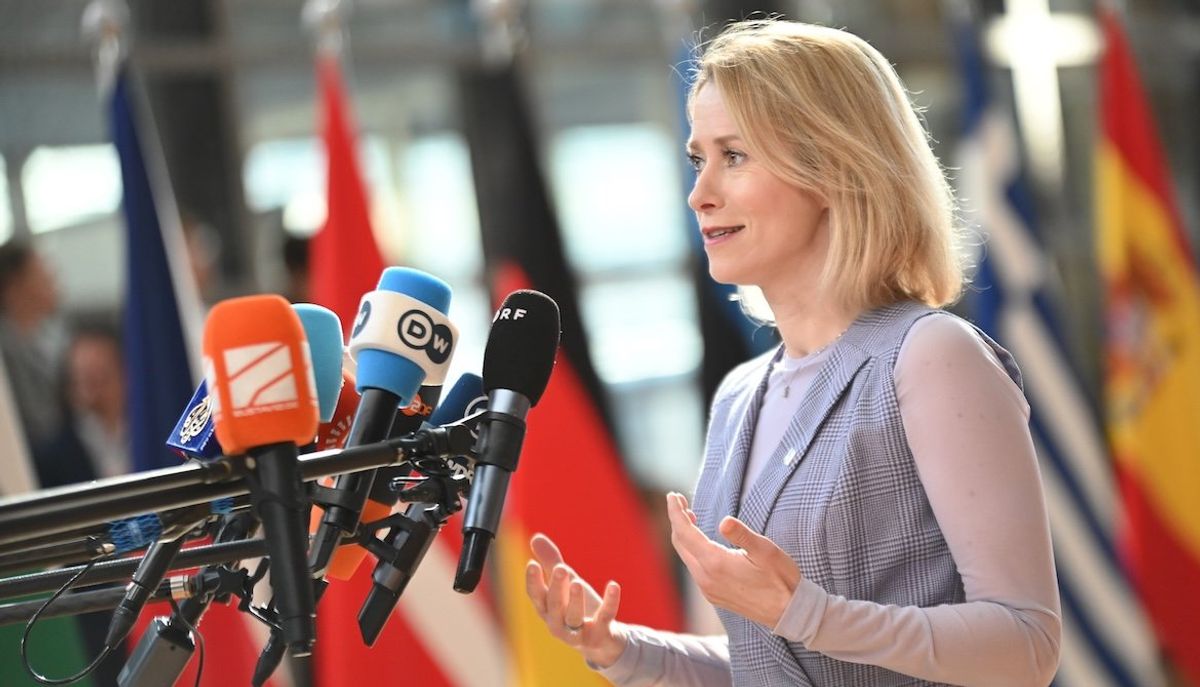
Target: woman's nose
(704, 194)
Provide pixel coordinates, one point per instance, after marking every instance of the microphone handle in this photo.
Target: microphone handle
(408, 542)
(278, 498)
(146, 578)
(500, 438)
(272, 653)
(372, 423)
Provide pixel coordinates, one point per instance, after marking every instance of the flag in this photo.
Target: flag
(570, 483)
(162, 311)
(161, 327)
(1106, 641)
(345, 258)
(1152, 356)
(432, 625)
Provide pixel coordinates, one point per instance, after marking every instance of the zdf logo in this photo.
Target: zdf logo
(418, 331)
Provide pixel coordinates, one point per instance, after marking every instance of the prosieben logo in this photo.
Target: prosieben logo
(262, 379)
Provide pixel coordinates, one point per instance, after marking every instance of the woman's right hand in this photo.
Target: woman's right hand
(571, 608)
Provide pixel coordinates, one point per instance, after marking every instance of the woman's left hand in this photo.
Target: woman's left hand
(756, 580)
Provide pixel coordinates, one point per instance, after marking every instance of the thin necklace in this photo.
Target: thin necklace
(791, 377)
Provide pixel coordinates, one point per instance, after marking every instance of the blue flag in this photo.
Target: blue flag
(158, 371)
(1106, 641)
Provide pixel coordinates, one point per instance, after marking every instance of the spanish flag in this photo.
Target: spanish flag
(1152, 356)
(570, 483)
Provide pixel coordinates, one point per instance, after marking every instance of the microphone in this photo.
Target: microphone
(194, 436)
(404, 547)
(400, 338)
(517, 363)
(264, 403)
(167, 644)
(347, 559)
(323, 330)
(151, 570)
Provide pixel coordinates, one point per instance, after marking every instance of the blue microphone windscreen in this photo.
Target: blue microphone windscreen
(323, 330)
(465, 397)
(419, 285)
(383, 369)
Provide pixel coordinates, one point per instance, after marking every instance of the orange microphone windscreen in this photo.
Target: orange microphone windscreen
(259, 374)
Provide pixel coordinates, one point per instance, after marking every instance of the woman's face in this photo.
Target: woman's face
(758, 229)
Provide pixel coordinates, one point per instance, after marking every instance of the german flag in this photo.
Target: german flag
(1152, 357)
(570, 483)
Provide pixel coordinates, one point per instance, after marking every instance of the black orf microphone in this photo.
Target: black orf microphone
(517, 364)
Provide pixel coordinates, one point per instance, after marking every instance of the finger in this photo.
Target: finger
(573, 617)
(546, 552)
(608, 606)
(556, 594)
(741, 536)
(535, 587)
(686, 555)
(683, 528)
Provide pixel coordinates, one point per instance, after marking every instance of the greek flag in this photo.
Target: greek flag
(1106, 640)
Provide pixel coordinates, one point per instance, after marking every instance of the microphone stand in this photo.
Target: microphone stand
(121, 569)
(68, 508)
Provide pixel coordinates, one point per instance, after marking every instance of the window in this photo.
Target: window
(69, 185)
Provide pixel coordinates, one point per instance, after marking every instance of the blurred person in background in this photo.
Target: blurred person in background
(94, 443)
(869, 509)
(31, 340)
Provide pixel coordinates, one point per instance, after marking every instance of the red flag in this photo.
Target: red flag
(424, 641)
(345, 259)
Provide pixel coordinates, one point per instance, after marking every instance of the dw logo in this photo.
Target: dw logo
(417, 330)
(364, 314)
(261, 379)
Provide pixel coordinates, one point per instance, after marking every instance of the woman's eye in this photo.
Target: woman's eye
(696, 162)
(734, 157)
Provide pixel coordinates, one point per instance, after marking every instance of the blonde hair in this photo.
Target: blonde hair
(827, 112)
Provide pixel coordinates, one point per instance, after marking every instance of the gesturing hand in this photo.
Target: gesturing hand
(571, 608)
(756, 580)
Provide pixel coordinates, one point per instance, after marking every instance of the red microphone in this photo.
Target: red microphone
(264, 404)
(332, 434)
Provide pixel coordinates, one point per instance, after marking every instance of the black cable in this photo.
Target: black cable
(196, 633)
(29, 627)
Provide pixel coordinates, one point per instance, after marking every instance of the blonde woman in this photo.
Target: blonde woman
(869, 510)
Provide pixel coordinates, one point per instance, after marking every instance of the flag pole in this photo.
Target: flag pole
(104, 23)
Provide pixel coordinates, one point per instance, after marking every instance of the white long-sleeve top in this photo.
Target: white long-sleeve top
(967, 425)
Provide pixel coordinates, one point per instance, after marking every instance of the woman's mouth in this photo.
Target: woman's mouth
(714, 234)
